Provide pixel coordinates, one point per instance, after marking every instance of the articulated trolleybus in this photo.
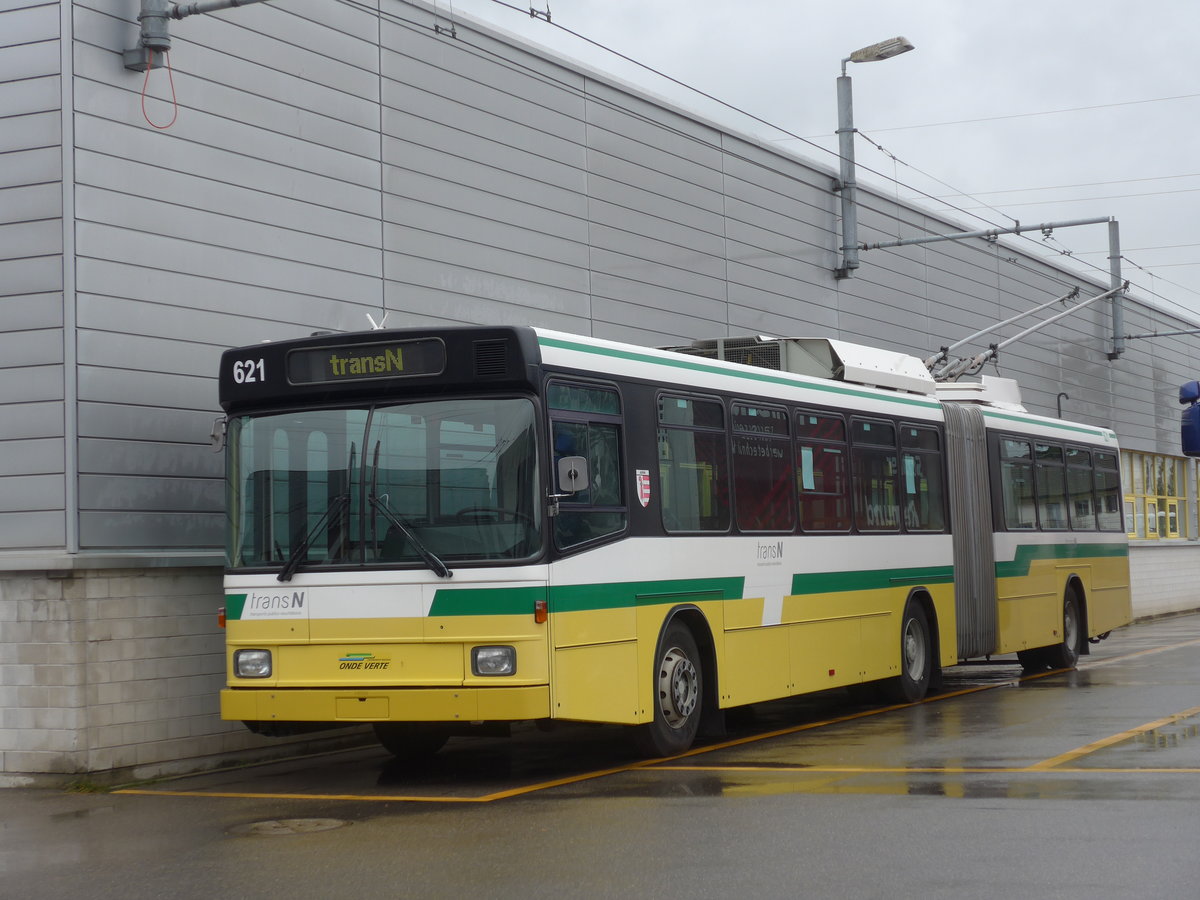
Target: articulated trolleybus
(443, 530)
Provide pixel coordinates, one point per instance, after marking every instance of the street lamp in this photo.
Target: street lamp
(874, 53)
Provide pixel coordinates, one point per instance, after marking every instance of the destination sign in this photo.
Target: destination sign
(355, 362)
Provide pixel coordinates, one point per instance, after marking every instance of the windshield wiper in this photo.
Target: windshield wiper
(336, 506)
(424, 552)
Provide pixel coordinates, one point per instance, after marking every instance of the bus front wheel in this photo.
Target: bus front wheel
(678, 695)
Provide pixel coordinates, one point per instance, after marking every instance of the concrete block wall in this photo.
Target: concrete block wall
(1165, 576)
(114, 670)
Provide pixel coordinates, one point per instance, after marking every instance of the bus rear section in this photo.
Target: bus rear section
(1041, 555)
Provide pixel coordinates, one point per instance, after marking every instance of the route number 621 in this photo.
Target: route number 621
(249, 371)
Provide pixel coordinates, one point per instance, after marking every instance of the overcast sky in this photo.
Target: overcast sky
(1088, 108)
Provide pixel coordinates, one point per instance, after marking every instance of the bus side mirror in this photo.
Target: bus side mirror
(572, 474)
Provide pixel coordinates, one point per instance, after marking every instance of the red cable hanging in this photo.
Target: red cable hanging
(171, 78)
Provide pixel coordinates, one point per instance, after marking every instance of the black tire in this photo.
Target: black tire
(412, 740)
(678, 696)
(1065, 654)
(1033, 660)
(916, 658)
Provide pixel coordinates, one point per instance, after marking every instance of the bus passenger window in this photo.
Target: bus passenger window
(764, 493)
(1079, 489)
(874, 475)
(1052, 486)
(1016, 485)
(822, 472)
(924, 497)
(693, 474)
(1108, 492)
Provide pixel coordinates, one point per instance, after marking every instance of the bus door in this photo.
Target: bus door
(593, 610)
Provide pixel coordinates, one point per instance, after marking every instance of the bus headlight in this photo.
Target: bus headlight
(252, 663)
(494, 660)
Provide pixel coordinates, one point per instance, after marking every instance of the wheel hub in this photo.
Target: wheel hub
(1070, 626)
(678, 687)
(914, 651)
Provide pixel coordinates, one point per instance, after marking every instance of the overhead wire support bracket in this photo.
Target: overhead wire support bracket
(1117, 286)
(1159, 334)
(155, 34)
(986, 233)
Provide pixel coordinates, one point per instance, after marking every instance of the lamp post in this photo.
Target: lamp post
(845, 131)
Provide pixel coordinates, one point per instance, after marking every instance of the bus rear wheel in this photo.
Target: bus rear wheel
(678, 696)
(916, 658)
(411, 740)
(1065, 655)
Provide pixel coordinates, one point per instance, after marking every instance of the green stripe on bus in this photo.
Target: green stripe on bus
(234, 604)
(581, 597)
(501, 601)
(870, 580)
(486, 601)
(1027, 554)
(1062, 426)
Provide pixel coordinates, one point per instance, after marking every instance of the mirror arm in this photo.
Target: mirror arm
(552, 506)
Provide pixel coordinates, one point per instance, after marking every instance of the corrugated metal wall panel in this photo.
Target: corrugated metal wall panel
(20, 98)
(24, 421)
(161, 531)
(25, 23)
(32, 455)
(32, 529)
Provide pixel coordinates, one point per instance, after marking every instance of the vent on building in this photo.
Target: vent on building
(491, 359)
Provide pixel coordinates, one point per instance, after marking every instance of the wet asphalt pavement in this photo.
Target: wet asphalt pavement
(1069, 784)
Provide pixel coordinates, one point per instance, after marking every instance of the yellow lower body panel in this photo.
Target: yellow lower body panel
(757, 665)
(598, 683)
(499, 704)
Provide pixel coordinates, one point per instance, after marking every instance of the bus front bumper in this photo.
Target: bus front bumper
(499, 704)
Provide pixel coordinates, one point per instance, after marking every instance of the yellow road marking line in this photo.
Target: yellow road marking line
(1094, 746)
(926, 770)
(249, 795)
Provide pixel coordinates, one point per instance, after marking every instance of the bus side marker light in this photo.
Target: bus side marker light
(494, 660)
(541, 612)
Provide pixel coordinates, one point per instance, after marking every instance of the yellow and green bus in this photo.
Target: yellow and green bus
(438, 531)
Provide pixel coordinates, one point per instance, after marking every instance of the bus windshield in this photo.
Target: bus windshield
(409, 485)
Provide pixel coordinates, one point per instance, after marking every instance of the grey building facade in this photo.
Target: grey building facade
(330, 160)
